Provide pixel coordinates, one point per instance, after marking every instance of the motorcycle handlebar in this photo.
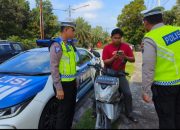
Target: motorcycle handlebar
(99, 68)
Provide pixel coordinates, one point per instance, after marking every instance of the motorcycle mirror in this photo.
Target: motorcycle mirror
(98, 65)
(96, 54)
(89, 65)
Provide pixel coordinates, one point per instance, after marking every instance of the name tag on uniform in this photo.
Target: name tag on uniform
(172, 37)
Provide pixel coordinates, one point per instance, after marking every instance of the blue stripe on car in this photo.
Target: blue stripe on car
(16, 89)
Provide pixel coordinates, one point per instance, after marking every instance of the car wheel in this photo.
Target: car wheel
(49, 115)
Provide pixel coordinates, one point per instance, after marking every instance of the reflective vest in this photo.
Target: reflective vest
(67, 65)
(167, 68)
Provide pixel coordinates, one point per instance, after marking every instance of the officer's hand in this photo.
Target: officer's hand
(77, 83)
(146, 98)
(60, 94)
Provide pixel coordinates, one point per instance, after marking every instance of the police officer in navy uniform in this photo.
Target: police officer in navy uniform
(161, 68)
(63, 70)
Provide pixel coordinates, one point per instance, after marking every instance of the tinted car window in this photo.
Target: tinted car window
(78, 62)
(90, 55)
(28, 62)
(17, 47)
(5, 48)
(84, 56)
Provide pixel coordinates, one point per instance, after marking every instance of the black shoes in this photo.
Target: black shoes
(94, 115)
(132, 118)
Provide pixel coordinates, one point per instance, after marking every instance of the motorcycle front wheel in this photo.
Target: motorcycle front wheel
(103, 122)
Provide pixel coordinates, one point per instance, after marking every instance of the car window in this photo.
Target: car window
(90, 55)
(28, 62)
(17, 47)
(84, 56)
(78, 60)
(5, 48)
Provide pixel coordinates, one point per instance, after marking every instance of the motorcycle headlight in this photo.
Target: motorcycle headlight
(14, 110)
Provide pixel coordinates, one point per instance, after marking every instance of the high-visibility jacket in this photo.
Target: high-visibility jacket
(167, 68)
(67, 65)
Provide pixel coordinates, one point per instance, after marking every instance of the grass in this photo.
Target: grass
(130, 68)
(86, 121)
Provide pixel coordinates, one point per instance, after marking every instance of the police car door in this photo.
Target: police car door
(84, 71)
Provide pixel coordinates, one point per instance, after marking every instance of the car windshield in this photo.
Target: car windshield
(30, 62)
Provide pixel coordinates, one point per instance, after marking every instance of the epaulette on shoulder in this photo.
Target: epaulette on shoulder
(57, 40)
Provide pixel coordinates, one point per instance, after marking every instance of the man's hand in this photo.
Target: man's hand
(115, 57)
(146, 98)
(123, 55)
(60, 94)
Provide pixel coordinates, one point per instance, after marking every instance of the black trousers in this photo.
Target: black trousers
(125, 89)
(66, 107)
(167, 103)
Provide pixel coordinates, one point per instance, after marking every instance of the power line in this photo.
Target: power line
(156, 3)
(151, 4)
(159, 2)
(165, 2)
(41, 20)
(147, 4)
(70, 10)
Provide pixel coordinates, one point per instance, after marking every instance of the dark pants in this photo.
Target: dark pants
(125, 89)
(167, 103)
(66, 108)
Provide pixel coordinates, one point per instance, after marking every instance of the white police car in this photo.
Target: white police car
(27, 98)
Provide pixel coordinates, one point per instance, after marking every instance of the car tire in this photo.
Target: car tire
(49, 115)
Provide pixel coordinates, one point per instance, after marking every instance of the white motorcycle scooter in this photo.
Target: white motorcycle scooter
(109, 102)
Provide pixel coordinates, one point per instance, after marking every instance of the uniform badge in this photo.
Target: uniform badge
(172, 37)
(57, 49)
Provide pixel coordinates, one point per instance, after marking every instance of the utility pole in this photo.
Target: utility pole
(41, 20)
(159, 2)
(70, 10)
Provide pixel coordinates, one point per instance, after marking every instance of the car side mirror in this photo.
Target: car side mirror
(96, 54)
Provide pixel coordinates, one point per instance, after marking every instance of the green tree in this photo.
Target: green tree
(14, 17)
(27, 44)
(172, 17)
(51, 25)
(176, 11)
(97, 34)
(169, 17)
(130, 21)
(83, 30)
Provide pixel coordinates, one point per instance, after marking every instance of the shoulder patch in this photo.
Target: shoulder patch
(57, 49)
(172, 37)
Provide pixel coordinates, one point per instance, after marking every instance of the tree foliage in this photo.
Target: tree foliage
(98, 35)
(172, 17)
(83, 30)
(130, 21)
(51, 25)
(88, 36)
(19, 23)
(14, 17)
